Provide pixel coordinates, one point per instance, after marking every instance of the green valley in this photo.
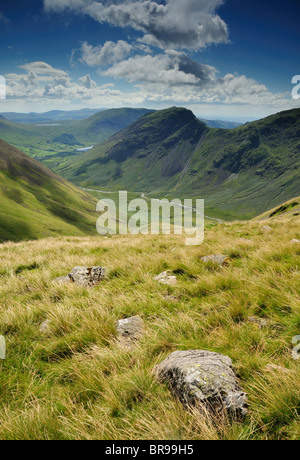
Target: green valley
(240, 172)
(53, 142)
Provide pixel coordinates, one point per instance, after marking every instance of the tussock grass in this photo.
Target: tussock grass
(76, 381)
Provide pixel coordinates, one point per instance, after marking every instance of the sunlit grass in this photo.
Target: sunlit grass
(78, 382)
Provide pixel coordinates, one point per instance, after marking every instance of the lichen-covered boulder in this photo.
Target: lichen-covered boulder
(130, 328)
(83, 276)
(87, 276)
(203, 378)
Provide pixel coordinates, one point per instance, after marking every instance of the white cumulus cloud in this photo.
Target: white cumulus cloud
(102, 55)
(183, 24)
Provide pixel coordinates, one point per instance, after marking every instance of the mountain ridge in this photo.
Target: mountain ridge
(240, 173)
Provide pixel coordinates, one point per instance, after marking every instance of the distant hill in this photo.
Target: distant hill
(35, 202)
(240, 172)
(52, 116)
(102, 125)
(52, 143)
(221, 124)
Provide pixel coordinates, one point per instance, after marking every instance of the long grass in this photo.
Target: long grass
(76, 381)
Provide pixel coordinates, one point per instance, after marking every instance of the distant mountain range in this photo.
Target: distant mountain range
(36, 203)
(240, 172)
(48, 117)
(221, 124)
(57, 116)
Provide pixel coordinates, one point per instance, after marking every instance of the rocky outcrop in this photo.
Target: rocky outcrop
(130, 329)
(83, 276)
(203, 378)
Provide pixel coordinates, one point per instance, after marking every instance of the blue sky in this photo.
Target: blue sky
(231, 59)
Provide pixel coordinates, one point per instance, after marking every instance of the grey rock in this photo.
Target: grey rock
(87, 276)
(166, 278)
(295, 241)
(83, 276)
(261, 323)
(45, 327)
(199, 377)
(218, 259)
(130, 328)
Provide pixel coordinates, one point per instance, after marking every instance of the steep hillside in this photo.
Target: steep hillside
(35, 203)
(148, 154)
(289, 209)
(102, 125)
(240, 172)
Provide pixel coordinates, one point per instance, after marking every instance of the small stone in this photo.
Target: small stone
(200, 377)
(245, 240)
(130, 328)
(45, 327)
(278, 369)
(217, 260)
(166, 278)
(267, 228)
(262, 323)
(295, 241)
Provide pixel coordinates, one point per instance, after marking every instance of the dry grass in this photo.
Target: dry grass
(78, 382)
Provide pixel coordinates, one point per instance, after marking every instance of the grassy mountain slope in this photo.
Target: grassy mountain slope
(76, 381)
(52, 143)
(35, 202)
(240, 172)
(152, 151)
(290, 208)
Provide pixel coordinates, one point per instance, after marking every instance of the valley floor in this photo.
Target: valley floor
(76, 381)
